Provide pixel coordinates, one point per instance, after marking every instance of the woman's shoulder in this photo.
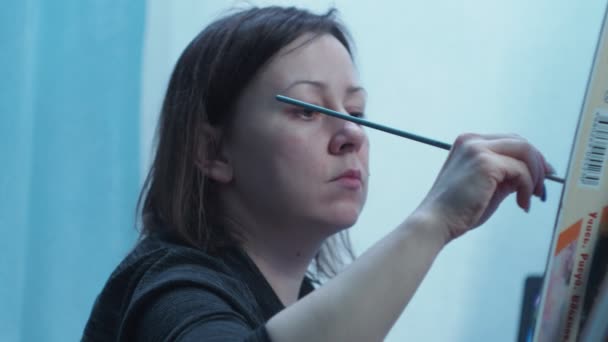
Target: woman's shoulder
(155, 260)
(156, 266)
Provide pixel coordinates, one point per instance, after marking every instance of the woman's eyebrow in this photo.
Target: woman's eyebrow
(322, 86)
(356, 89)
(316, 84)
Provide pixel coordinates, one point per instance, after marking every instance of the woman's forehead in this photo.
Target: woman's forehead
(321, 59)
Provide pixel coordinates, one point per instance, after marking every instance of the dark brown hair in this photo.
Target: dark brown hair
(209, 77)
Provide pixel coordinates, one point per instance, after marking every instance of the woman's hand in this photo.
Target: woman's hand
(480, 171)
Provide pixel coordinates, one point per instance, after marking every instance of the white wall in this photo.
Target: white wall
(440, 68)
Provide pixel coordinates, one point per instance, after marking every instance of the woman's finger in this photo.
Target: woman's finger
(520, 149)
(516, 176)
(541, 170)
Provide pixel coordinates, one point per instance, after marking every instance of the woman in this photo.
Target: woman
(246, 192)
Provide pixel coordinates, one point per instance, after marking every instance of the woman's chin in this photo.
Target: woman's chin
(345, 217)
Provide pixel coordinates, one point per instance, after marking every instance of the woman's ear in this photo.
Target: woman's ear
(214, 165)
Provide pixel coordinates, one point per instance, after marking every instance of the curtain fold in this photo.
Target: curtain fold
(69, 150)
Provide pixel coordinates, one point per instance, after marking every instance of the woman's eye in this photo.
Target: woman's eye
(357, 114)
(307, 114)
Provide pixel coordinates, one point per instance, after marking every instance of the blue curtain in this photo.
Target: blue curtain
(69, 166)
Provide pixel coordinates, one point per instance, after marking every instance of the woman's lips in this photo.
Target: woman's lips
(350, 179)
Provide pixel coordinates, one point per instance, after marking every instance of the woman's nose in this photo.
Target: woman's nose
(347, 137)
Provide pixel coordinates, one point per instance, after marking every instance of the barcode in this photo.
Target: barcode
(596, 151)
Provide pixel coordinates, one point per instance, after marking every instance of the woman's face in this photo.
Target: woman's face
(291, 166)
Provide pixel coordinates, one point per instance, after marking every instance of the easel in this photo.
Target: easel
(583, 213)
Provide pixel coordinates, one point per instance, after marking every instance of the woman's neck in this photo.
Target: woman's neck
(283, 265)
(281, 248)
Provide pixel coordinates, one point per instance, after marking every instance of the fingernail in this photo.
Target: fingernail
(543, 195)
